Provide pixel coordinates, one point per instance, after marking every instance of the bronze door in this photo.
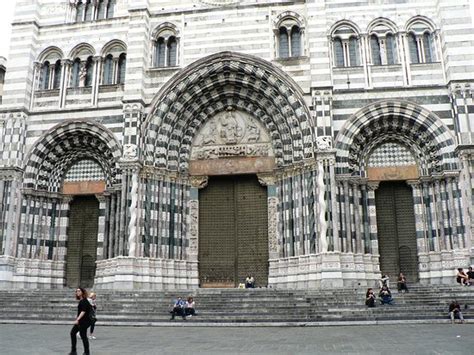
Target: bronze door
(233, 232)
(396, 230)
(82, 241)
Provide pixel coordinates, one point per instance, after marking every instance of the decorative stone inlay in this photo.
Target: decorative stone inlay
(229, 134)
(193, 225)
(129, 152)
(324, 143)
(273, 225)
(266, 179)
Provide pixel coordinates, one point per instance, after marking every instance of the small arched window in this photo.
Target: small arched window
(57, 74)
(353, 52)
(346, 49)
(338, 52)
(122, 65)
(111, 8)
(166, 47)
(288, 32)
(89, 69)
(295, 41)
(108, 77)
(375, 48)
(421, 42)
(76, 68)
(283, 45)
(45, 75)
(172, 51)
(89, 10)
(391, 49)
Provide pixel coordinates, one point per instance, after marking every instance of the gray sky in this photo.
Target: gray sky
(6, 15)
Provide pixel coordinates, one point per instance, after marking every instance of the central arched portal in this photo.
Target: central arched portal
(233, 231)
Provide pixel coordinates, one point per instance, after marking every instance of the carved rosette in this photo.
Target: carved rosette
(198, 181)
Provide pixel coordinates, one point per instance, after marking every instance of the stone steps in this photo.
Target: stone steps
(233, 306)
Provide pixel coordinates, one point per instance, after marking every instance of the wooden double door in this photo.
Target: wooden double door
(396, 230)
(82, 241)
(233, 231)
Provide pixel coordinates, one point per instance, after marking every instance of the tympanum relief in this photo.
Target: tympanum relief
(231, 133)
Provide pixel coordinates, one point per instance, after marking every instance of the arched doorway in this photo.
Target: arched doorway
(82, 241)
(233, 231)
(396, 230)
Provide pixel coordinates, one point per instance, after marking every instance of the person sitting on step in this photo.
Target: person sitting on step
(455, 311)
(470, 275)
(249, 282)
(384, 281)
(462, 278)
(178, 309)
(189, 310)
(402, 283)
(370, 298)
(385, 296)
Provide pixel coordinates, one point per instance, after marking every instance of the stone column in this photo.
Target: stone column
(371, 187)
(197, 183)
(269, 181)
(420, 221)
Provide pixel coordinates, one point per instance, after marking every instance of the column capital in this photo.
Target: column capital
(373, 185)
(199, 181)
(266, 179)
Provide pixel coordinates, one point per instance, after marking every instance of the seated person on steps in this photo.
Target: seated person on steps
(189, 307)
(455, 311)
(402, 283)
(462, 278)
(249, 282)
(385, 296)
(370, 298)
(178, 309)
(384, 281)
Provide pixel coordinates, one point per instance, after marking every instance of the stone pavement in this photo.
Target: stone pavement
(404, 339)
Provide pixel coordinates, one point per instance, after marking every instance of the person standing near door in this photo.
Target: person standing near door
(82, 322)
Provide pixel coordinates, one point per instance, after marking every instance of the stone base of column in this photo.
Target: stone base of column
(129, 273)
(20, 273)
(328, 270)
(441, 267)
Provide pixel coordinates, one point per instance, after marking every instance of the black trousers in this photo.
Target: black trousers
(93, 325)
(82, 330)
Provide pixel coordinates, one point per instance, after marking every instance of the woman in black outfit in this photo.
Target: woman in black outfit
(82, 322)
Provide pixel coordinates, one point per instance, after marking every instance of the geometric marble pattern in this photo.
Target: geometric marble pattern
(84, 170)
(390, 154)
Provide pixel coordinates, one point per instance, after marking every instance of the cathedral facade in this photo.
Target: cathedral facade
(155, 144)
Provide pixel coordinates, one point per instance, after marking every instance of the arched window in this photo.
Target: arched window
(427, 47)
(390, 48)
(80, 11)
(76, 68)
(338, 52)
(375, 48)
(57, 74)
(166, 43)
(295, 41)
(89, 68)
(45, 75)
(160, 52)
(172, 51)
(122, 65)
(346, 47)
(108, 77)
(88, 11)
(111, 8)
(353, 52)
(288, 32)
(421, 41)
(101, 9)
(284, 50)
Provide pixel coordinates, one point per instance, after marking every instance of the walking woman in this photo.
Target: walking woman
(82, 322)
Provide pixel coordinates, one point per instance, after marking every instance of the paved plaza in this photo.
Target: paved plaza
(387, 339)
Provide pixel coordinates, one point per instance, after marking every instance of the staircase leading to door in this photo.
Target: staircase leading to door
(238, 307)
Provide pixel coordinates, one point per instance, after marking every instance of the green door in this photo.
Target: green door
(396, 230)
(233, 232)
(82, 241)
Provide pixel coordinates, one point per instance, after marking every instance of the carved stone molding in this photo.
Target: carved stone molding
(266, 179)
(373, 185)
(199, 182)
(324, 143)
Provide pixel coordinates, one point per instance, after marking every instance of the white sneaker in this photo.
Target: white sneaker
(92, 337)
